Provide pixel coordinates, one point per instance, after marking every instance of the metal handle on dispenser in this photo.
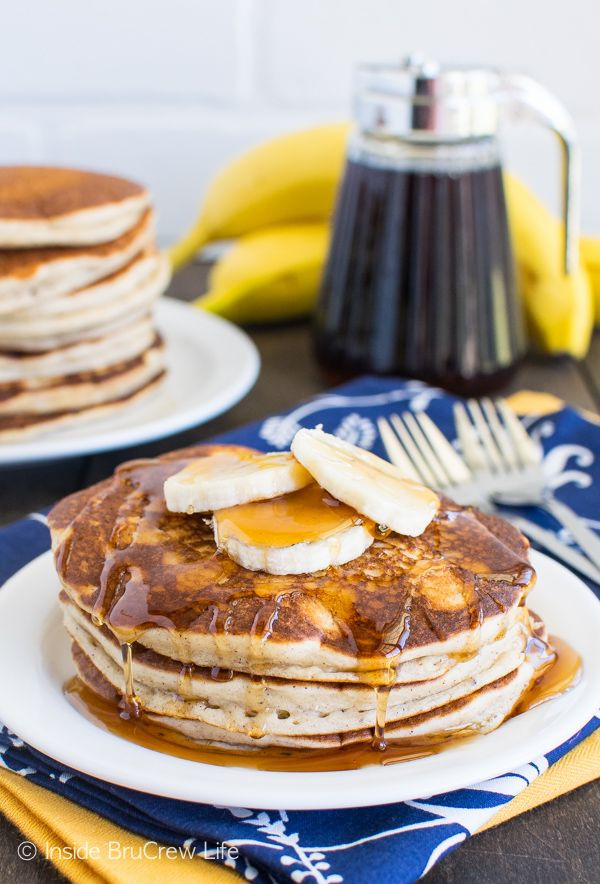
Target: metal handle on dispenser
(527, 98)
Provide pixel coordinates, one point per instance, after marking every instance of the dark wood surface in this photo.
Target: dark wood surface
(558, 842)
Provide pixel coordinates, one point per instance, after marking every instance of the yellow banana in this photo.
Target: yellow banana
(590, 257)
(538, 238)
(559, 311)
(274, 273)
(274, 194)
(269, 275)
(536, 233)
(559, 308)
(287, 180)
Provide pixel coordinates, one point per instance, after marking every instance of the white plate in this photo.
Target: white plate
(211, 366)
(35, 649)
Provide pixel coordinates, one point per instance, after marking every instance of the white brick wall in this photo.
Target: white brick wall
(120, 49)
(167, 91)
(311, 46)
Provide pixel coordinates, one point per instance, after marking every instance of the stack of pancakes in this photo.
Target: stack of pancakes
(434, 625)
(79, 275)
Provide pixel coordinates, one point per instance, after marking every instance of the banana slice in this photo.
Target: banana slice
(296, 534)
(369, 484)
(230, 478)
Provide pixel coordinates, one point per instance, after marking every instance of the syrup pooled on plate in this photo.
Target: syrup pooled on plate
(141, 730)
(560, 670)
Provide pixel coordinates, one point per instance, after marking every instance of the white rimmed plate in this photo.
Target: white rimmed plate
(35, 658)
(211, 366)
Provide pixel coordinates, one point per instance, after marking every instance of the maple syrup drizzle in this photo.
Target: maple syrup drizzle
(161, 569)
(558, 662)
(132, 704)
(559, 666)
(152, 735)
(384, 679)
(184, 683)
(302, 516)
(218, 674)
(382, 695)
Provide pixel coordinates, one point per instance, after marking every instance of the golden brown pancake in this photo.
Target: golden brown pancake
(108, 306)
(229, 656)
(44, 205)
(151, 573)
(83, 388)
(23, 263)
(279, 710)
(480, 710)
(98, 292)
(29, 277)
(91, 354)
(32, 192)
(79, 275)
(20, 427)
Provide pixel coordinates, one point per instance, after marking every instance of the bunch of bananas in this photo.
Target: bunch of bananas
(276, 202)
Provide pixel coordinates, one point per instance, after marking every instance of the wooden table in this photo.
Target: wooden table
(554, 843)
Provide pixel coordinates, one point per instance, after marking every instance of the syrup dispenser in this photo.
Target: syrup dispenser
(420, 278)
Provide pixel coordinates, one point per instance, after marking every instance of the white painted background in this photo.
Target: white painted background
(166, 90)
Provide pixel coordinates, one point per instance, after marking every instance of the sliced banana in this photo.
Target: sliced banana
(230, 478)
(301, 558)
(369, 484)
(296, 534)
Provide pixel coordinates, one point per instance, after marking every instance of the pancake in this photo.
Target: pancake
(121, 299)
(285, 709)
(21, 427)
(82, 389)
(481, 711)
(51, 316)
(229, 656)
(32, 277)
(79, 276)
(89, 355)
(44, 206)
(101, 292)
(458, 583)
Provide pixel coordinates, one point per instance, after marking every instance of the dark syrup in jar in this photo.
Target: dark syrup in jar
(420, 280)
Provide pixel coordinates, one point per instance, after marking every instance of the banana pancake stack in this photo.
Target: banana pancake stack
(312, 599)
(79, 275)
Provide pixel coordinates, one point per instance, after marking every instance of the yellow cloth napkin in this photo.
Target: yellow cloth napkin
(52, 822)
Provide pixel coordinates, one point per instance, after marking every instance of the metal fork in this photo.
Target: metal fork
(507, 463)
(415, 444)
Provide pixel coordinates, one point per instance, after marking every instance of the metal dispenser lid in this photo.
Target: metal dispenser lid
(425, 101)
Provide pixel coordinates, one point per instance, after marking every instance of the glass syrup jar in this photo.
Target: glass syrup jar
(419, 279)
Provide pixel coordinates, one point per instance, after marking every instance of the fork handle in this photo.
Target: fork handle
(585, 537)
(549, 541)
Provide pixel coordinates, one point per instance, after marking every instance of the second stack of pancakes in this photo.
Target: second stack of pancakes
(79, 276)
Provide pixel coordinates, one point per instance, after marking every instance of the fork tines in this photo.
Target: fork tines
(493, 438)
(415, 445)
